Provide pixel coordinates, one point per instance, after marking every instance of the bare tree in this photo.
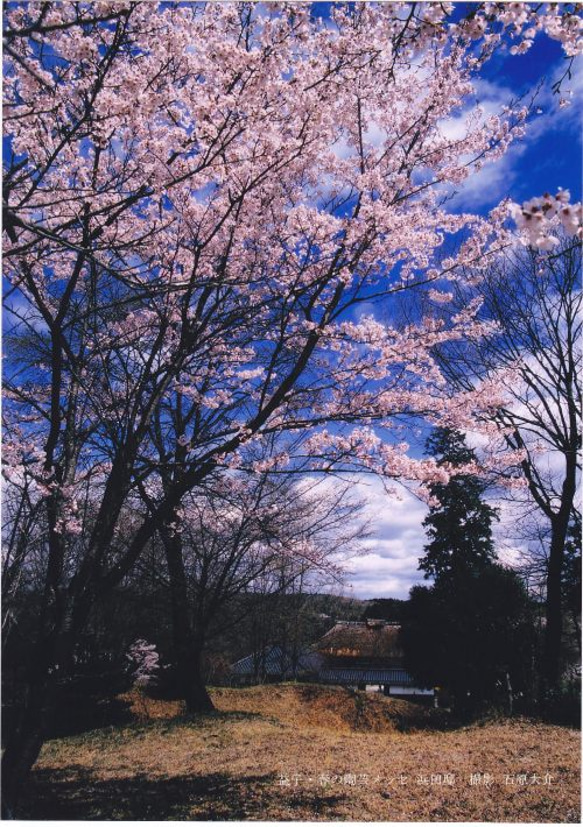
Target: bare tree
(535, 301)
(261, 534)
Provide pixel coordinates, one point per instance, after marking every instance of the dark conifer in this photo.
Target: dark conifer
(460, 526)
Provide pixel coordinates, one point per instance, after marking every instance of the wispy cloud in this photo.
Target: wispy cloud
(496, 180)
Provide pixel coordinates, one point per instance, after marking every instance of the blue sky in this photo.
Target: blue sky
(549, 156)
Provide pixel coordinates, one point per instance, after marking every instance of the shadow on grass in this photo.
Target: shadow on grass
(75, 716)
(195, 719)
(117, 730)
(74, 794)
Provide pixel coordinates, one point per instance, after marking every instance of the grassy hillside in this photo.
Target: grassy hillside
(309, 753)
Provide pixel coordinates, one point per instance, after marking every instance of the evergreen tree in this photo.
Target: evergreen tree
(460, 525)
(472, 634)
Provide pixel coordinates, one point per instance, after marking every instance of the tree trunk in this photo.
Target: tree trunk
(195, 695)
(187, 647)
(49, 667)
(551, 665)
(24, 745)
(52, 658)
(509, 694)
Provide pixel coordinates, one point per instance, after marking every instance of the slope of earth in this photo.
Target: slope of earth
(329, 707)
(310, 753)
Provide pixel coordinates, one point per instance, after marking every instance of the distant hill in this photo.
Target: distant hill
(350, 608)
(384, 608)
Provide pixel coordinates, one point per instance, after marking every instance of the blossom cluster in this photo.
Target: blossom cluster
(523, 21)
(537, 218)
(144, 661)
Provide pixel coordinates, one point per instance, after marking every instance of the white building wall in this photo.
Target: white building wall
(410, 690)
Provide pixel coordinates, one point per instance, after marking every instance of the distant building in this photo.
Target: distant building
(363, 655)
(366, 655)
(275, 663)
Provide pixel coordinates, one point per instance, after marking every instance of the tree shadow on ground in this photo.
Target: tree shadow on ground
(76, 716)
(115, 714)
(75, 794)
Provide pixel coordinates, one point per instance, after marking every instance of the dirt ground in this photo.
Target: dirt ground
(302, 753)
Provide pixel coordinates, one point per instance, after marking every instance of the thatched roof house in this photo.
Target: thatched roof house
(366, 653)
(359, 654)
(369, 641)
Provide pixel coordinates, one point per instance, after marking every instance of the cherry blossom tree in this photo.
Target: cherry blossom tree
(199, 200)
(144, 662)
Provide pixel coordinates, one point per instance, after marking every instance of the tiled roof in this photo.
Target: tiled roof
(352, 675)
(274, 662)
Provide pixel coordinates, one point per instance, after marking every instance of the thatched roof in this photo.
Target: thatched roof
(371, 639)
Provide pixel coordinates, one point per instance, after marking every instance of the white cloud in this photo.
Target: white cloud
(491, 184)
(509, 536)
(389, 568)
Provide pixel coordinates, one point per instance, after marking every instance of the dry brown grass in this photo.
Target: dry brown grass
(311, 753)
(331, 708)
